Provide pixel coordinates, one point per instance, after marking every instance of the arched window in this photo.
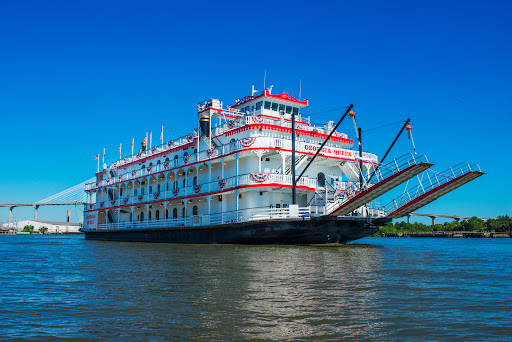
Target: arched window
(167, 159)
(158, 162)
(175, 213)
(150, 164)
(121, 192)
(158, 188)
(142, 216)
(142, 191)
(149, 215)
(176, 157)
(195, 150)
(184, 184)
(143, 167)
(166, 214)
(185, 154)
(194, 210)
(184, 212)
(157, 215)
(232, 141)
(321, 179)
(150, 189)
(134, 192)
(195, 181)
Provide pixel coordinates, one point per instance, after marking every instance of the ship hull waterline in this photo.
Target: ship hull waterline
(317, 230)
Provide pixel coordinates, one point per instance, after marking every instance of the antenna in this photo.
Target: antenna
(300, 87)
(264, 78)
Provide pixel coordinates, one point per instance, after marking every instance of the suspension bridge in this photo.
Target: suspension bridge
(72, 196)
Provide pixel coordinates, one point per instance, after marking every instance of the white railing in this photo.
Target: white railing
(244, 215)
(232, 182)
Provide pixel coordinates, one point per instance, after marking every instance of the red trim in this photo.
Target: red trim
(288, 130)
(207, 194)
(285, 97)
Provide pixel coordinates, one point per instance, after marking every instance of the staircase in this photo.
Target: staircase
(432, 186)
(298, 162)
(389, 176)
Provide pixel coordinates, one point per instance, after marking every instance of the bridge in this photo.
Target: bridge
(434, 216)
(72, 196)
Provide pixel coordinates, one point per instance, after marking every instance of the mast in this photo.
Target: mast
(294, 190)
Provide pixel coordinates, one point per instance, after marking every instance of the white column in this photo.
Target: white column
(236, 161)
(222, 167)
(209, 180)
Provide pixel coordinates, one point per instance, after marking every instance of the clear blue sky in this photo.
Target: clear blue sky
(79, 76)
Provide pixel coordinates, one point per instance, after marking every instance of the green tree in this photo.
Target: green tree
(28, 228)
(43, 230)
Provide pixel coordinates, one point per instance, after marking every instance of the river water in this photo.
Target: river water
(65, 288)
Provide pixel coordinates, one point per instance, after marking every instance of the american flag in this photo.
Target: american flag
(162, 134)
(97, 157)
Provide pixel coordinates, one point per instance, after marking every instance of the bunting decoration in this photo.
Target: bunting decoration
(197, 188)
(149, 168)
(140, 197)
(125, 201)
(153, 150)
(257, 119)
(113, 202)
(210, 151)
(231, 124)
(246, 142)
(259, 177)
(190, 137)
(102, 204)
(166, 164)
(134, 172)
(156, 195)
(90, 206)
(186, 159)
(169, 143)
(175, 192)
(97, 183)
(120, 176)
(222, 183)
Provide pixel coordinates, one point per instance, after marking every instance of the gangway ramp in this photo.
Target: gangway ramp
(431, 189)
(398, 176)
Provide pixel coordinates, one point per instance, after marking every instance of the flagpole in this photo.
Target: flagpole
(150, 139)
(120, 152)
(98, 164)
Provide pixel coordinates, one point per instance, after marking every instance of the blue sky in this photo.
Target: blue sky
(79, 76)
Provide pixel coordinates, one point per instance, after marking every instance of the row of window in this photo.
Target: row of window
(195, 211)
(277, 107)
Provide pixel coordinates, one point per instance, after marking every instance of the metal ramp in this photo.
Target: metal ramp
(431, 189)
(393, 175)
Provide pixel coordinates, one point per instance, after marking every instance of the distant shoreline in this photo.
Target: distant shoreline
(449, 234)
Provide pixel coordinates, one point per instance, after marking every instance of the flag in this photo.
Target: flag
(96, 158)
(119, 151)
(162, 135)
(132, 145)
(103, 155)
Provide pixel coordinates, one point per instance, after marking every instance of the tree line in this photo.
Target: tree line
(499, 224)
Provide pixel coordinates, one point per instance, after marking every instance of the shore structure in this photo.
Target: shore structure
(54, 227)
(255, 172)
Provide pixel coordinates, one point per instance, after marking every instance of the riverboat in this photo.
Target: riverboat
(256, 172)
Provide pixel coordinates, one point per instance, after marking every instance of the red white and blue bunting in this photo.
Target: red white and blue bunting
(126, 200)
(197, 188)
(113, 202)
(246, 142)
(166, 164)
(120, 177)
(210, 151)
(149, 168)
(175, 192)
(257, 119)
(259, 177)
(153, 149)
(102, 204)
(156, 195)
(222, 183)
(231, 124)
(169, 143)
(141, 197)
(190, 137)
(186, 159)
(134, 172)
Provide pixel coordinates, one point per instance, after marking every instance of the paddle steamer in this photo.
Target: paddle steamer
(254, 172)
